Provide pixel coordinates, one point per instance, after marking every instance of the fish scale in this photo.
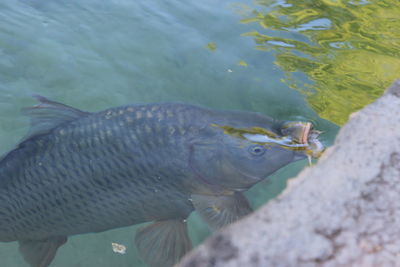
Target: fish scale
(70, 136)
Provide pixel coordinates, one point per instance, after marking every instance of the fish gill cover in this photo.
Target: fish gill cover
(350, 50)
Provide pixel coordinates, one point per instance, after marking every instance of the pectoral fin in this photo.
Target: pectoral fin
(40, 253)
(218, 211)
(163, 243)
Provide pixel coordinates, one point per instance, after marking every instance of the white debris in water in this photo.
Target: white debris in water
(118, 248)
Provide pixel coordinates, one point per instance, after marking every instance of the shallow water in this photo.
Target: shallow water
(97, 54)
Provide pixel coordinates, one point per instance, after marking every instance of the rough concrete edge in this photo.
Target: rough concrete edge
(217, 239)
(393, 89)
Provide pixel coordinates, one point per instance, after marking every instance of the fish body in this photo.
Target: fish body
(102, 171)
(78, 172)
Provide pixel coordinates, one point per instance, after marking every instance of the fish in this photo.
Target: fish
(79, 172)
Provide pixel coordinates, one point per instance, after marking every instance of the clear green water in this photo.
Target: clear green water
(96, 54)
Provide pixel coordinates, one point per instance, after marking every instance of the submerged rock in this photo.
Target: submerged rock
(344, 211)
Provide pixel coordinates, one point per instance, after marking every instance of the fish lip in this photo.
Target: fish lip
(305, 133)
(308, 137)
(298, 131)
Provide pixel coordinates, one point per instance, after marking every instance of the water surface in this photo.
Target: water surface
(222, 54)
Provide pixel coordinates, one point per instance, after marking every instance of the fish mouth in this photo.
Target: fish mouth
(303, 133)
(297, 131)
(297, 136)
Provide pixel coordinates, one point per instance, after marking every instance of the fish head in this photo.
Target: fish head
(239, 158)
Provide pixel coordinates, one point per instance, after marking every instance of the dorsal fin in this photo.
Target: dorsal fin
(48, 115)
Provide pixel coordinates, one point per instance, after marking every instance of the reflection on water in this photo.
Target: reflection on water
(349, 50)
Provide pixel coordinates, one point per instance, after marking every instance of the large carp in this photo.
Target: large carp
(78, 172)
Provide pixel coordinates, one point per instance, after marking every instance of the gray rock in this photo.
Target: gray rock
(344, 211)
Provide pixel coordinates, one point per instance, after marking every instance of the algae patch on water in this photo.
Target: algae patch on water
(212, 47)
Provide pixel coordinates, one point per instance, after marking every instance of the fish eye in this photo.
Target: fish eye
(257, 150)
